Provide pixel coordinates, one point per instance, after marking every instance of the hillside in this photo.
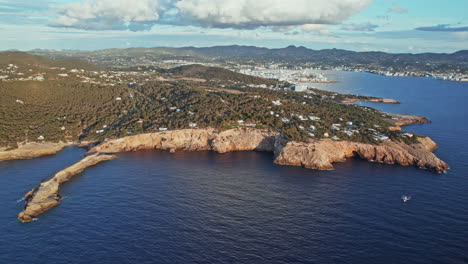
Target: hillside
(26, 59)
(71, 105)
(214, 73)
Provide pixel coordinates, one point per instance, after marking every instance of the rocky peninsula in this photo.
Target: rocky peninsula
(46, 194)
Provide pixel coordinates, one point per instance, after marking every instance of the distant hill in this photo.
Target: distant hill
(215, 73)
(23, 58)
(457, 61)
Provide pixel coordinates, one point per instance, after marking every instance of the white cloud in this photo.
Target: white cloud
(111, 14)
(244, 14)
(315, 28)
(256, 13)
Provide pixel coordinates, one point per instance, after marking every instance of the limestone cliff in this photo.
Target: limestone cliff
(244, 139)
(46, 195)
(323, 153)
(238, 139)
(187, 139)
(318, 154)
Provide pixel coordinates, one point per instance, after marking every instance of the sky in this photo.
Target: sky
(397, 26)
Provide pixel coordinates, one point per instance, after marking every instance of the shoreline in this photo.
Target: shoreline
(315, 154)
(318, 154)
(373, 100)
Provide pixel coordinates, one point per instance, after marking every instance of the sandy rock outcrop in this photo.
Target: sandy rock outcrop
(46, 195)
(238, 139)
(322, 154)
(32, 150)
(242, 139)
(186, 139)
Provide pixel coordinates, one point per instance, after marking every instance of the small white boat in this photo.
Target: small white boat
(405, 198)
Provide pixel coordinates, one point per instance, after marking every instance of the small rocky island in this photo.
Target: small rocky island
(187, 108)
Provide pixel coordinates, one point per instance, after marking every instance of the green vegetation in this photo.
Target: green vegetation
(69, 109)
(215, 74)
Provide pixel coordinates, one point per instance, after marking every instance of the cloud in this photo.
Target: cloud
(320, 29)
(443, 28)
(283, 28)
(397, 10)
(256, 13)
(240, 14)
(133, 15)
(366, 27)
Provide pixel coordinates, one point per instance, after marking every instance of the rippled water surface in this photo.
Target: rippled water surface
(158, 207)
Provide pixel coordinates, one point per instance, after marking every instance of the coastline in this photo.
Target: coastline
(315, 154)
(373, 100)
(399, 120)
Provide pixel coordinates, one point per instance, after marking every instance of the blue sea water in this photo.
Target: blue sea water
(202, 207)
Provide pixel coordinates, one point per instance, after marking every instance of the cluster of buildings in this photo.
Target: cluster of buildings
(13, 73)
(301, 78)
(453, 76)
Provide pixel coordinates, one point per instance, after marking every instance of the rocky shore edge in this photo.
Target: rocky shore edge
(373, 100)
(314, 154)
(32, 150)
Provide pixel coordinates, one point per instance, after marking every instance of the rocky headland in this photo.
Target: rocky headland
(322, 154)
(399, 120)
(32, 150)
(315, 154)
(46, 194)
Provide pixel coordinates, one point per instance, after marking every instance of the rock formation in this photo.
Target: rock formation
(238, 139)
(322, 154)
(318, 154)
(32, 150)
(46, 195)
(406, 120)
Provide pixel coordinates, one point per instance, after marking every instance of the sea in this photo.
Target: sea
(203, 207)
